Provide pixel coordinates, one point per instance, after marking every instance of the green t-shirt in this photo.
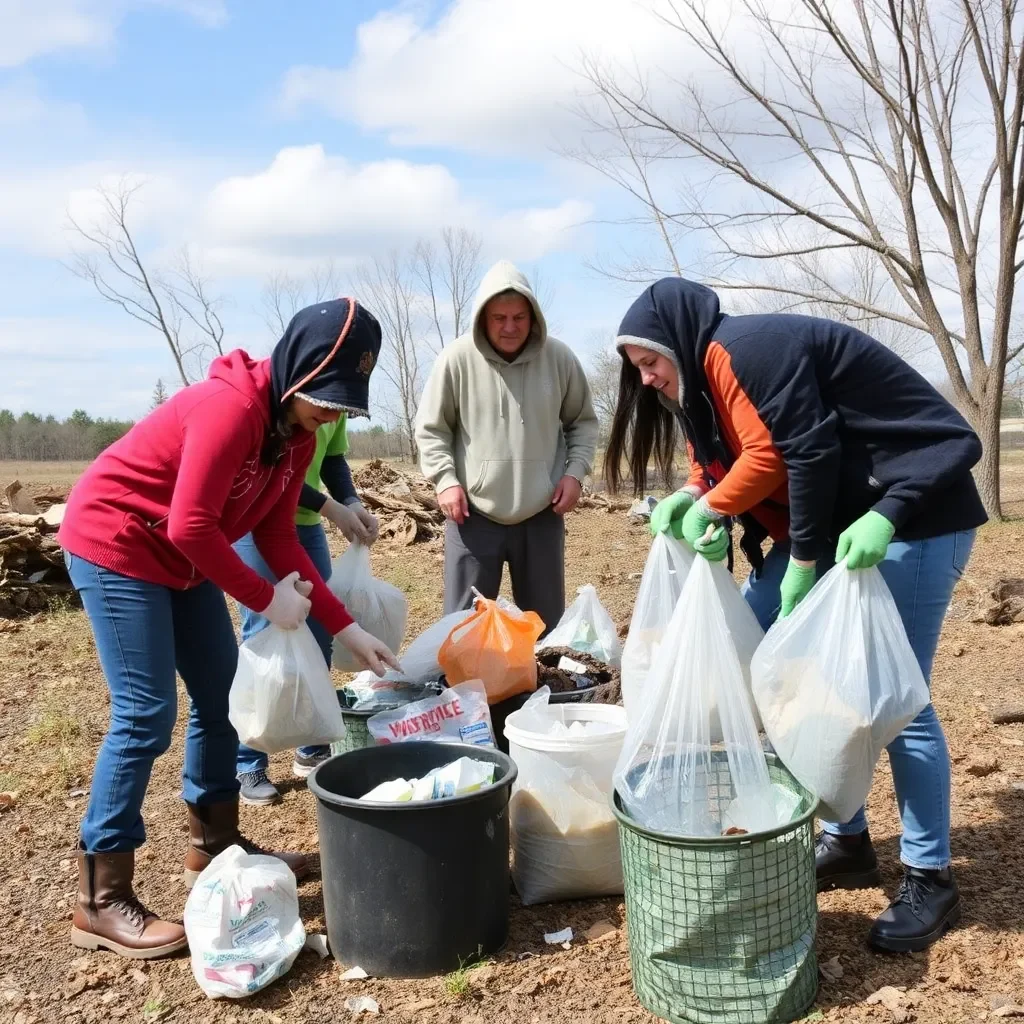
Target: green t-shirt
(331, 439)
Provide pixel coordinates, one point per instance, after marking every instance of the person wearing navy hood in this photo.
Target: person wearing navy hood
(148, 536)
(811, 434)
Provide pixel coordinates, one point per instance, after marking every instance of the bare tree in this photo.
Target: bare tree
(112, 263)
(387, 287)
(603, 374)
(449, 277)
(629, 159)
(284, 294)
(888, 126)
(176, 301)
(159, 393)
(189, 291)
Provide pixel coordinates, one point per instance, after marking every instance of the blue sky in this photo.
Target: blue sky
(274, 136)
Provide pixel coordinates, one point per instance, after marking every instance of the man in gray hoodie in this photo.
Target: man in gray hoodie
(506, 433)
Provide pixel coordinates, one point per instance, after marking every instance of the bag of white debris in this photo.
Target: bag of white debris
(282, 696)
(668, 564)
(565, 840)
(242, 922)
(457, 715)
(673, 775)
(836, 682)
(586, 626)
(378, 607)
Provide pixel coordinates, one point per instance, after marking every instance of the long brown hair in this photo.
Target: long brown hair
(641, 426)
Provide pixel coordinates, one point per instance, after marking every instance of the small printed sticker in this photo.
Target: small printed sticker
(478, 733)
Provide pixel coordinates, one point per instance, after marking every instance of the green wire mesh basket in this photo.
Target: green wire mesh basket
(722, 930)
(357, 735)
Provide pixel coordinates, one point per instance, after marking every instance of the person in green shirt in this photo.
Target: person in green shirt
(341, 506)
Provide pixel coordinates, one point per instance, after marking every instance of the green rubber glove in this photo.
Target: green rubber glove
(697, 520)
(796, 585)
(716, 548)
(668, 514)
(864, 542)
(695, 532)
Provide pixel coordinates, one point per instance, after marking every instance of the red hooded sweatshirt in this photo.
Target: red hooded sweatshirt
(166, 502)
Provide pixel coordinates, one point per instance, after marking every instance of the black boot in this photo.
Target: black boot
(926, 907)
(845, 862)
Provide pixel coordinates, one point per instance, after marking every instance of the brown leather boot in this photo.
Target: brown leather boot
(109, 916)
(213, 828)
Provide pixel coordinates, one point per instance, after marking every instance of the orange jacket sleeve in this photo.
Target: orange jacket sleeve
(759, 469)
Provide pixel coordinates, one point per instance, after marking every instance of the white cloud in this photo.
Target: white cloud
(476, 78)
(35, 203)
(22, 105)
(308, 206)
(305, 207)
(31, 28)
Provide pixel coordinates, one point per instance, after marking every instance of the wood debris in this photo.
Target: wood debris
(406, 503)
(32, 571)
(1005, 603)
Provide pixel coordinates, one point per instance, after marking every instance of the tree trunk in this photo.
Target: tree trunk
(986, 473)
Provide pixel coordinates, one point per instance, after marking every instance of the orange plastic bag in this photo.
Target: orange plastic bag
(496, 647)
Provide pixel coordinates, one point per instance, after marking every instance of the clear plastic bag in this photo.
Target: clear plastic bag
(565, 840)
(672, 776)
(242, 922)
(665, 572)
(586, 626)
(282, 695)
(458, 715)
(836, 682)
(496, 646)
(379, 607)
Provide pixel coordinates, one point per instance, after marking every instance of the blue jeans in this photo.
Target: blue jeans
(921, 575)
(144, 632)
(314, 540)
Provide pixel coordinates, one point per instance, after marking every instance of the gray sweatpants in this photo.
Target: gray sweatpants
(476, 552)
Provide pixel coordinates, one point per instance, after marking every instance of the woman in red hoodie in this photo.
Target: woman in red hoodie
(147, 538)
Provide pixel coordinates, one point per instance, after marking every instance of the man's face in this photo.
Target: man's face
(507, 320)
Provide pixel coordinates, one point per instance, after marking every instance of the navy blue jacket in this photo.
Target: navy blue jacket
(857, 427)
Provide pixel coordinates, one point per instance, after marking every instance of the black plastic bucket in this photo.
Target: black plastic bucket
(412, 890)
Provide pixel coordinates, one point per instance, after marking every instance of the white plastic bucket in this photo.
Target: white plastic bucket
(565, 842)
(595, 754)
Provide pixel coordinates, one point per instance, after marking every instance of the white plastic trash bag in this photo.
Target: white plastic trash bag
(836, 683)
(419, 662)
(458, 715)
(665, 572)
(379, 607)
(565, 839)
(242, 922)
(671, 776)
(282, 695)
(586, 626)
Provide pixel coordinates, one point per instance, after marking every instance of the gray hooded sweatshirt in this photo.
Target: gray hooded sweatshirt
(506, 432)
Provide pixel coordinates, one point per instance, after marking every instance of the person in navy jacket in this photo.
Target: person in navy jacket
(811, 434)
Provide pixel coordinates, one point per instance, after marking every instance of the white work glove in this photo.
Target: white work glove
(290, 604)
(355, 523)
(370, 652)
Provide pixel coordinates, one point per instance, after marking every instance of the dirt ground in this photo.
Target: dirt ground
(53, 712)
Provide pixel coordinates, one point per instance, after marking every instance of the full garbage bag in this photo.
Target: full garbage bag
(379, 607)
(456, 715)
(665, 572)
(496, 646)
(282, 695)
(565, 840)
(586, 626)
(836, 682)
(242, 922)
(672, 776)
